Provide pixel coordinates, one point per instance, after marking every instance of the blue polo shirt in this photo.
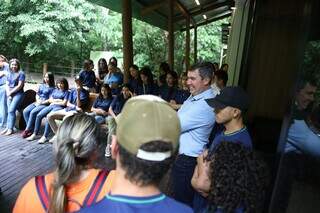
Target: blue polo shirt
(102, 103)
(196, 119)
(88, 78)
(155, 204)
(44, 91)
(13, 79)
(84, 98)
(113, 78)
(5, 69)
(60, 94)
(241, 136)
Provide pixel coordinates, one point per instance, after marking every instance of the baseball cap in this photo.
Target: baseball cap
(147, 118)
(230, 96)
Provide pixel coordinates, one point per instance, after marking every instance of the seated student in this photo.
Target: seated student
(57, 101)
(220, 79)
(102, 72)
(78, 99)
(74, 183)
(231, 179)
(42, 100)
(101, 105)
(14, 92)
(169, 90)
(4, 69)
(229, 107)
(147, 86)
(134, 78)
(87, 76)
(114, 79)
(183, 92)
(144, 153)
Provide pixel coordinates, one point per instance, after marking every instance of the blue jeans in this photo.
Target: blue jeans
(99, 118)
(43, 113)
(3, 106)
(181, 175)
(12, 104)
(30, 113)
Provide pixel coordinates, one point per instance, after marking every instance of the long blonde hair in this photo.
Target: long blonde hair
(78, 140)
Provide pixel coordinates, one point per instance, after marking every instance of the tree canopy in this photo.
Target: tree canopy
(60, 31)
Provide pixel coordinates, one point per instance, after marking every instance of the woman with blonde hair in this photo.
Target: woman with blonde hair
(74, 183)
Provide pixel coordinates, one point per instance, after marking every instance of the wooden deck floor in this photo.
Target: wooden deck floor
(19, 161)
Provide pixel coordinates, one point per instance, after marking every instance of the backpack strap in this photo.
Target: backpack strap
(42, 191)
(95, 189)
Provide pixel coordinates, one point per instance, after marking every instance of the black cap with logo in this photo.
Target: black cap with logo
(230, 96)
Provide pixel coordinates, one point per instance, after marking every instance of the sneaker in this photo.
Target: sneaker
(31, 137)
(9, 132)
(4, 131)
(43, 139)
(107, 152)
(53, 139)
(26, 134)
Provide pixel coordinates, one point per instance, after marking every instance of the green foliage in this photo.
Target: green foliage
(60, 31)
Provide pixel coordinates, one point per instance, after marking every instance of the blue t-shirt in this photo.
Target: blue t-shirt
(44, 91)
(168, 93)
(60, 94)
(241, 136)
(148, 89)
(134, 84)
(13, 79)
(84, 98)
(118, 103)
(88, 78)
(102, 103)
(5, 69)
(152, 204)
(181, 96)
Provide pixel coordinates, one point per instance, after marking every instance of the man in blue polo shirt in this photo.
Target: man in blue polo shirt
(197, 120)
(142, 158)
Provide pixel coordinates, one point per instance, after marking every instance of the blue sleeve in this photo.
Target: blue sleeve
(66, 95)
(114, 101)
(22, 76)
(95, 104)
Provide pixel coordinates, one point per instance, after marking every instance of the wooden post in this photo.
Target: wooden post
(44, 68)
(127, 37)
(195, 49)
(187, 43)
(170, 35)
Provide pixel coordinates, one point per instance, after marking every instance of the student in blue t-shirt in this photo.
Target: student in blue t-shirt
(42, 100)
(229, 106)
(57, 101)
(100, 108)
(78, 100)
(147, 86)
(87, 75)
(4, 69)
(114, 79)
(14, 92)
(230, 179)
(144, 149)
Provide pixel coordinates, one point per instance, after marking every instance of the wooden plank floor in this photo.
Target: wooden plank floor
(19, 161)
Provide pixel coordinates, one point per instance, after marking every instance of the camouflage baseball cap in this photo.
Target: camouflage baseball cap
(147, 118)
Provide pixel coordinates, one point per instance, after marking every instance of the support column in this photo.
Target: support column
(170, 36)
(195, 48)
(127, 37)
(187, 43)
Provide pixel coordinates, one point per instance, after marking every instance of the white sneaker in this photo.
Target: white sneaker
(43, 139)
(53, 139)
(31, 137)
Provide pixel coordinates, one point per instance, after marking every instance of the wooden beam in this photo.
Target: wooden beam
(206, 8)
(195, 48)
(170, 35)
(152, 7)
(184, 11)
(187, 56)
(127, 37)
(215, 18)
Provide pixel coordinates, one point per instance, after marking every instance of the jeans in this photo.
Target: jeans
(12, 104)
(30, 113)
(43, 113)
(3, 106)
(100, 119)
(181, 175)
